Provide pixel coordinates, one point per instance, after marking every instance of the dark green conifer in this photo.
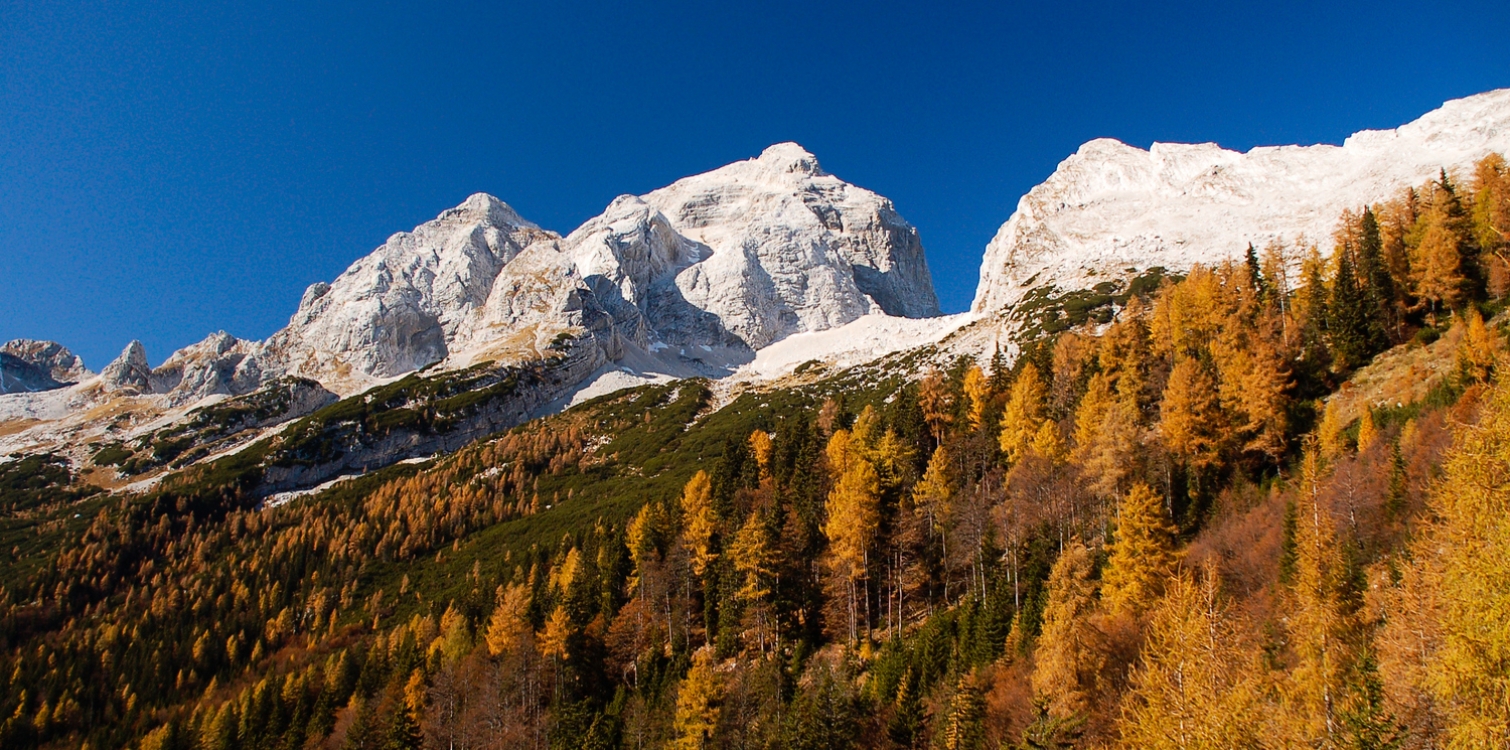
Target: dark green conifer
(1348, 316)
(1378, 286)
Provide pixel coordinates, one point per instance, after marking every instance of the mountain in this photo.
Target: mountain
(28, 366)
(721, 264)
(500, 319)
(1112, 210)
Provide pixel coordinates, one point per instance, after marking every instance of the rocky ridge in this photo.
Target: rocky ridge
(1111, 210)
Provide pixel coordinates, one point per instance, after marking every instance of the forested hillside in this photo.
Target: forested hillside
(1268, 505)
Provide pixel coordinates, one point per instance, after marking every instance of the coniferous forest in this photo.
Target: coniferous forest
(1266, 506)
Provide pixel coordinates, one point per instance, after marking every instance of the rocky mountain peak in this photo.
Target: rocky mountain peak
(1111, 210)
(128, 373)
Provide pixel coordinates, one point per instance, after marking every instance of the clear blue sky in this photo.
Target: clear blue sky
(170, 169)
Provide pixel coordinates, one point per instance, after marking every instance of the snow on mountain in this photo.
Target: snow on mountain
(794, 248)
(399, 308)
(1111, 209)
(709, 269)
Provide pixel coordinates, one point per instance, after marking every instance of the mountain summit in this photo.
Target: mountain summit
(1111, 209)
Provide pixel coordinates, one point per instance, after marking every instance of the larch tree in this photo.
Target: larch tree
(762, 448)
(754, 555)
(933, 495)
(1068, 660)
(1142, 557)
(853, 515)
(936, 403)
(1191, 418)
(1106, 437)
(699, 522)
(1024, 414)
(1318, 620)
(1199, 683)
(1253, 387)
(1479, 349)
(509, 624)
(1465, 563)
(977, 396)
(1436, 263)
(698, 702)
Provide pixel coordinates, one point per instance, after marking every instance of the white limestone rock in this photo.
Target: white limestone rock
(398, 309)
(1111, 209)
(793, 248)
(129, 373)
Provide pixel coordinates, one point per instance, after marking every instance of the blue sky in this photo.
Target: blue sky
(170, 169)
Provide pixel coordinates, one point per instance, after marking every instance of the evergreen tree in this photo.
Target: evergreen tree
(1378, 285)
(1255, 273)
(401, 732)
(1349, 312)
(963, 727)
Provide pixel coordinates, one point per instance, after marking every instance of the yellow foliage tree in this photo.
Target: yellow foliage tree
(978, 394)
(1479, 349)
(853, 514)
(1192, 421)
(1318, 621)
(1436, 263)
(933, 495)
(699, 521)
(1106, 437)
(1024, 414)
(936, 403)
(557, 631)
(1331, 441)
(761, 446)
(1198, 686)
(697, 703)
(509, 622)
(1068, 659)
(1142, 557)
(754, 556)
(1464, 562)
(1368, 431)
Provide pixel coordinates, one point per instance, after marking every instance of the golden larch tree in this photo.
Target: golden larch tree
(853, 514)
(1142, 557)
(1464, 559)
(1199, 684)
(509, 624)
(697, 703)
(1068, 659)
(1318, 621)
(699, 521)
(1024, 414)
(1191, 419)
(977, 395)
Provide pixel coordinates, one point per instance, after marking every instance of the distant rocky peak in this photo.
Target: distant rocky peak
(128, 373)
(54, 359)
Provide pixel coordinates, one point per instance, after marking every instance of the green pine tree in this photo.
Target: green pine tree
(1348, 317)
(1378, 285)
